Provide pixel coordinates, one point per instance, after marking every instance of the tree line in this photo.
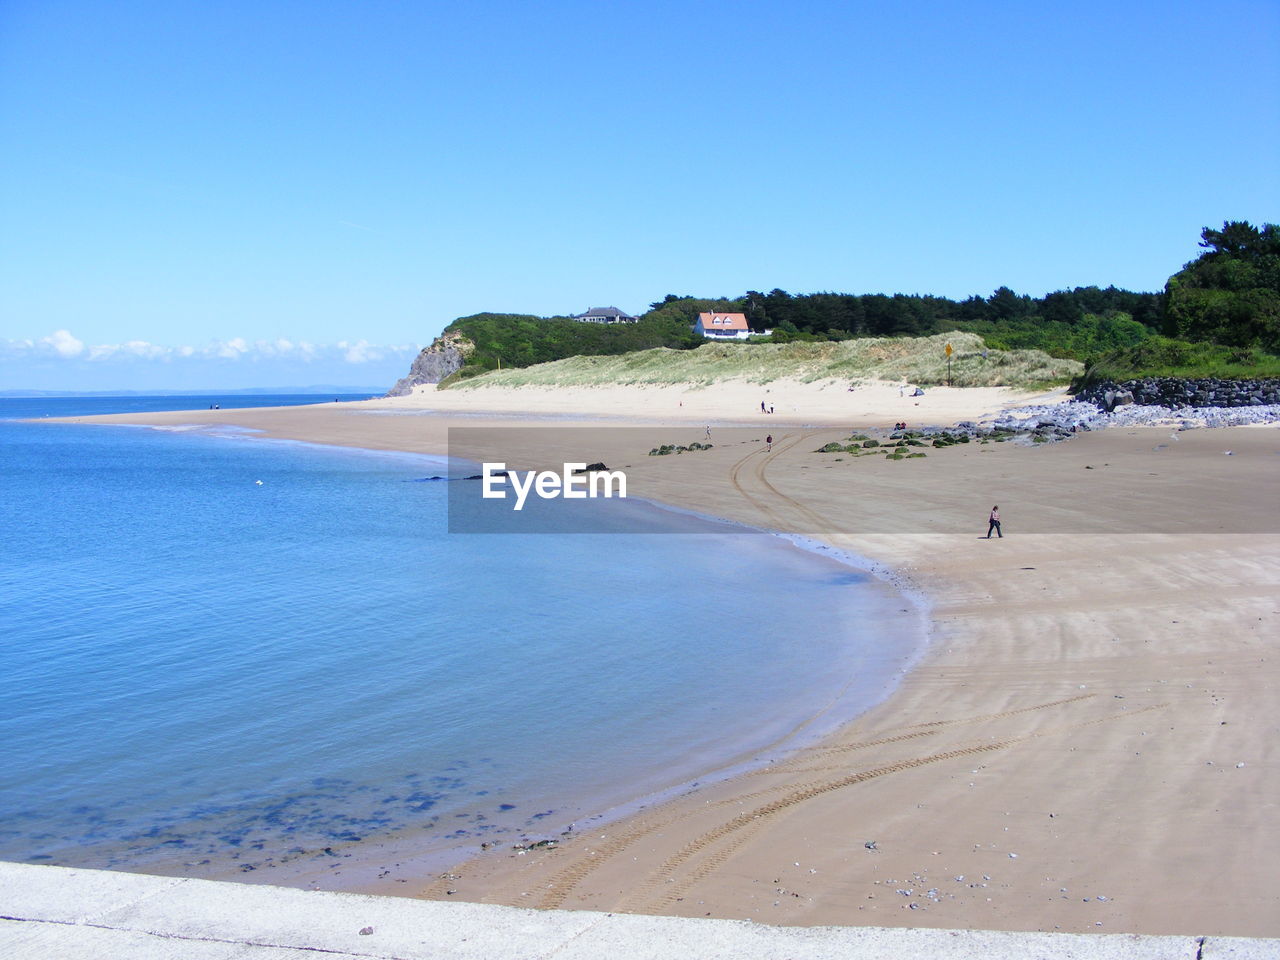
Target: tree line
(1229, 296)
(1064, 323)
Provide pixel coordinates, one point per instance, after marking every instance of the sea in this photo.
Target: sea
(233, 657)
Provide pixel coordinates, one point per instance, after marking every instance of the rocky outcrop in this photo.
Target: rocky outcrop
(446, 355)
(1059, 420)
(1176, 392)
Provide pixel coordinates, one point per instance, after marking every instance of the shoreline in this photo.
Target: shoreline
(806, 721)
(1001, 678)
(811, 732)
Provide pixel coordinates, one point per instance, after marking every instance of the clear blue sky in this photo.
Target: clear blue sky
(200, 174)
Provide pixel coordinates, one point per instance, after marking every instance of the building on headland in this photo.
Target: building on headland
(605, 315)
(722, 326)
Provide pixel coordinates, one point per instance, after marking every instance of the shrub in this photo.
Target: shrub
(1165, 357)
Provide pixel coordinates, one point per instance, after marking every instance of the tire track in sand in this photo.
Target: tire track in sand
(739, 829)
(931, 728)
(758, 463)
(562, 883)
(742, 828)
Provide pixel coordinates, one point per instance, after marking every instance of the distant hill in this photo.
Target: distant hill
(1227, 299)
(489, 341)
(1076, 324)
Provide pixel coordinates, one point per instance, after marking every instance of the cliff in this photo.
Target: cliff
(447, 353)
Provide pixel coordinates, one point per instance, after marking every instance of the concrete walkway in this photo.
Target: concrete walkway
(59, 913)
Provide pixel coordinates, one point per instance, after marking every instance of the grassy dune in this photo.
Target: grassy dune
(919, 360)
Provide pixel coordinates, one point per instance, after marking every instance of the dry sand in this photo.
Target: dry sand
(1089, 744)
(826, 401)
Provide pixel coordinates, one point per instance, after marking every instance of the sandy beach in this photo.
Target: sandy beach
(1089, 743)
(866, 402)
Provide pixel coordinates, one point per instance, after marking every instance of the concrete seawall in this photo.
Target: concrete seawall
(58, 913)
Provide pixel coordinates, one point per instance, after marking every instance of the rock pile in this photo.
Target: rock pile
(1048, 423)
(1150, 402)
(1177, 392)
(1060, 420)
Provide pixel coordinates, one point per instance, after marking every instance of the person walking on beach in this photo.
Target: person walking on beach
(708, 432)
(768, 443)
(993, 523)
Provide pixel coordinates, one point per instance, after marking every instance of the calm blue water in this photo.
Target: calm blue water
(307, 677)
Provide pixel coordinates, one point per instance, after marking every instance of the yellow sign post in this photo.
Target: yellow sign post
(948, 364)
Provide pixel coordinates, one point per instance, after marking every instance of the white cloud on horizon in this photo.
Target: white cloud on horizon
(63, 345)
(232, 349)
(359, 352)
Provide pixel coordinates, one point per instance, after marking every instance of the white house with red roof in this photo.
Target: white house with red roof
(722, 326)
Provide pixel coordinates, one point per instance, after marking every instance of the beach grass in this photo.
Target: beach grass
(918, 360)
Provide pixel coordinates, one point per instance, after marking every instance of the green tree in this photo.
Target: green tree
(1230, 294)
(1004, 304)
(1061, 306)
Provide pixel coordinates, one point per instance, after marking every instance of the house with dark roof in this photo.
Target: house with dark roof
(605, 315)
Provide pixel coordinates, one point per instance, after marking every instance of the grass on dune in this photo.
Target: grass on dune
(919, 360)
